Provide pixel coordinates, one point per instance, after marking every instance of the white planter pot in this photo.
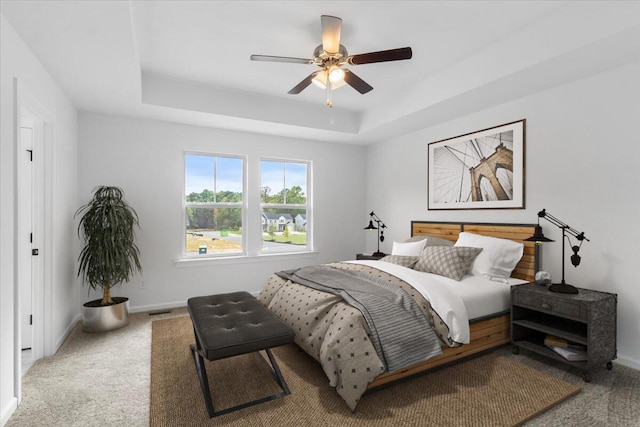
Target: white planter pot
(105, 318)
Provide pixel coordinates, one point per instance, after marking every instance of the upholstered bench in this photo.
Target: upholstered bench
(232, 324)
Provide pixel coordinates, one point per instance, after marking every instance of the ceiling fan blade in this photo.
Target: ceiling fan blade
(356, 82)
(281, 59)
(381, 56)
(303, 84)
(331, 29)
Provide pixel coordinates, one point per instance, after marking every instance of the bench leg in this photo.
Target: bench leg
(274, 369)
(275, 372)
(204, 380)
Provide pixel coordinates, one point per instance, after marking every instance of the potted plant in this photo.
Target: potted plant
(109, 256)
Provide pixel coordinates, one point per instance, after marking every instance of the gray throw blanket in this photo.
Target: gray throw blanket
(400, 332)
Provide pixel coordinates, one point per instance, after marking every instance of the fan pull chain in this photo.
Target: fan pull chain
(328, 89)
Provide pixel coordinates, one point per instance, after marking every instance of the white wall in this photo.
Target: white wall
(17, 62)
(582, 157)
(145, 157)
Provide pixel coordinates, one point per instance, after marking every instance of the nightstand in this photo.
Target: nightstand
(370, 257)
(587, 318)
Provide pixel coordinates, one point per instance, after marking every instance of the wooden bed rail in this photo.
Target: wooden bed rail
(485, 335)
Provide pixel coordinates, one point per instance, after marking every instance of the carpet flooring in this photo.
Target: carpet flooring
(104, 380)
(490, 390)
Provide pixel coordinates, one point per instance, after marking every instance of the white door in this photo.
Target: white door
(25, 212)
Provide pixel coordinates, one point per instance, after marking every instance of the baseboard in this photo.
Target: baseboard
(154, 307)
(67, 332)
(165, 306)
(8, 410)
(629, 362)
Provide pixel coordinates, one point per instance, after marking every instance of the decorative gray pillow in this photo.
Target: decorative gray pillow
(431, 240)
(450, 261)
(403, 260)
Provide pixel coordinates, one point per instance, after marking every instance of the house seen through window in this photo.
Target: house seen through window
(284, 206)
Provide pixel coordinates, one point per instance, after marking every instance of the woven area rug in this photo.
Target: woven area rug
(490, 390)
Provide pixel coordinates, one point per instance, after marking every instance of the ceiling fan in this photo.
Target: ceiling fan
(331, 57)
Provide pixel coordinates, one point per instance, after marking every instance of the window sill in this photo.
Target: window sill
(240, 259)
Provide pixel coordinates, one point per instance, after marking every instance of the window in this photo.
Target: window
(214, 204)
(284, 206)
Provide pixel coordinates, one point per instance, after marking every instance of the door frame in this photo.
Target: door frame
(28, 267)
(26, 103)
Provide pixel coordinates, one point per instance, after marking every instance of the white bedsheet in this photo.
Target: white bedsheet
(456, 302)
(483, 297)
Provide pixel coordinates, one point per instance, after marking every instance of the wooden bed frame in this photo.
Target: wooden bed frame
(485, 334)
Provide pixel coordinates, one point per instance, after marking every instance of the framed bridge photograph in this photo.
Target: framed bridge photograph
(478, 170)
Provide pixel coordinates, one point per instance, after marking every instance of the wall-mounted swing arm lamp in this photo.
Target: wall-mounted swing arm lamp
(380, 228)
(567, 231)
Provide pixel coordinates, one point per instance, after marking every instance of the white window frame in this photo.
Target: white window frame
(308, 206)
(213, 205)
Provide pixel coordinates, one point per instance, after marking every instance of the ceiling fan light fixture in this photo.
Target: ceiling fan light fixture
(336, 75)
(323, 76)
(330, 56)
(320, 79)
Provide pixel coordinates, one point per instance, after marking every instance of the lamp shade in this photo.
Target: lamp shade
(321, 78)
(371, 226)
(336, 75)
(538, 236)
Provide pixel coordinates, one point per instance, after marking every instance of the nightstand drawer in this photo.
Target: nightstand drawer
(573, 309)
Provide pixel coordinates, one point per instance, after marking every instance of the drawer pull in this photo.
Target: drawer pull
(546, 306)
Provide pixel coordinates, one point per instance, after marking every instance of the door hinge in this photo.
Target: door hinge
(31, 319)
(30, 155)
(30, 237)
(34, 252)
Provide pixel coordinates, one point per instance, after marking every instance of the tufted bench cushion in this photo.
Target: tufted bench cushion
(232, 324)
(236, 323)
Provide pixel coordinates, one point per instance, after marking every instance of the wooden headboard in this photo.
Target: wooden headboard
(518, 232)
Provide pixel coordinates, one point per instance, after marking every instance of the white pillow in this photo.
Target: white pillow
(408, 248)
(498, 257)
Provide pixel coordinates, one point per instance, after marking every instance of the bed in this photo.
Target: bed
(337, 333)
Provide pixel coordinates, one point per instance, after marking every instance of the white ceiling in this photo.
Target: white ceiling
(188, 61)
